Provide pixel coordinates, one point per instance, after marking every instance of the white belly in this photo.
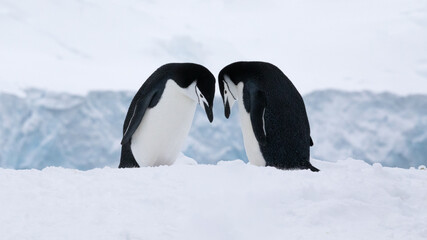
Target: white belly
(251, 143)
(163, 129)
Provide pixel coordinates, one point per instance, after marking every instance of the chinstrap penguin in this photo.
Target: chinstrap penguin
(160, 115)
(273, 118)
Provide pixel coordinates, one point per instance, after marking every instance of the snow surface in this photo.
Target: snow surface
(231, 200)
(57, 129)
(77, 46)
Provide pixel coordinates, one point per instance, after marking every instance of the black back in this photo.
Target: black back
(287, 128)
(184, 74)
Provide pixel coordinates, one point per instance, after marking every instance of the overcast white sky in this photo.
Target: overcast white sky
(77, 46)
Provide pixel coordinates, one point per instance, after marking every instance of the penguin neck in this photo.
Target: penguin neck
(239, 90)
(188, 92)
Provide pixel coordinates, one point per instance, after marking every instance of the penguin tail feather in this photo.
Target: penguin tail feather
(313, 169)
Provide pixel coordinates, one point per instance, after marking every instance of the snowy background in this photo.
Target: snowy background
(84, 132)
(81, 45)
(68, 70)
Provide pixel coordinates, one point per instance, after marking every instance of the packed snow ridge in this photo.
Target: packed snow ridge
(58, 129)
(231, 200)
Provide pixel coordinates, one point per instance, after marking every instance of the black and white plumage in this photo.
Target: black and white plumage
(160, 115)
(273, 118)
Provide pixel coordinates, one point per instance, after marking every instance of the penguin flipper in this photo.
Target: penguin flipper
(138, 113)
(257, 110)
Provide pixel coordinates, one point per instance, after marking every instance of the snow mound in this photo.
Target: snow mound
(232, 200)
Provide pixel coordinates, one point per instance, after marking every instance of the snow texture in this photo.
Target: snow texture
(232, 200)
(57, 129)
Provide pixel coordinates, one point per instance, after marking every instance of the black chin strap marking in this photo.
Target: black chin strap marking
(195, 90)
(228, 87)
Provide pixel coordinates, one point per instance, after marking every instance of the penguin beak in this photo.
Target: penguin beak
(227, 109)
(208, 111)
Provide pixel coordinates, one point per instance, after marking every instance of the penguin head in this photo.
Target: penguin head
(228, 93)
(228, 89)
(205, 92)
(199, 85)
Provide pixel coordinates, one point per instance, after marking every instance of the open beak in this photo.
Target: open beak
(227, 109)
(208, 111)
